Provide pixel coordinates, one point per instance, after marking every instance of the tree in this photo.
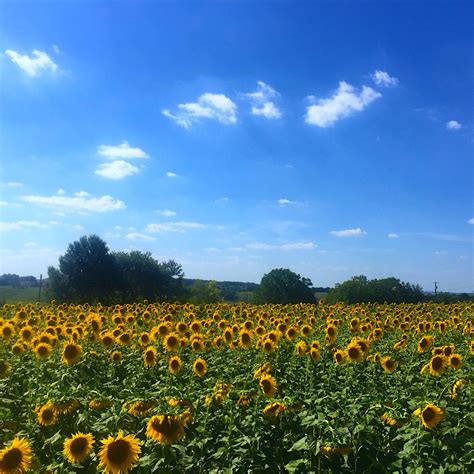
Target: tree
(204, 293)
(282, 286)
(87, 272)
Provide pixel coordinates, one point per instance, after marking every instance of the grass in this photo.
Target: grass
(10, 294)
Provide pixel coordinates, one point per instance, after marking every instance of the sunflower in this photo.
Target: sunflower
(264, 369)
(456, 387)
(268, 385)
(175, 365)
(197, 344)
(26, 333)
(354, 353)
(425, 343)
(339, 356)
(268, 346)
(71, 353)
(291, 333)
(171, 342)
(78, 447)
(200, 367)
(273, 410)
(455, 361)
(388, 364)
(4, 369)
(437, 365)
(119, 455)
(430, 416)
(314, 354)
(46, 414)
(331, 332)
(245, 339)
(150, 356)
(16, 457)
(388, 420)
(116, 356)
(301, 348)
(245, 398)
(107, 339)
(43, 351)
(165, 429)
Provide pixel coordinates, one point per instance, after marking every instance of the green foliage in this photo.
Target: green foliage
(387, 290)
(282, 286)
(204, 293)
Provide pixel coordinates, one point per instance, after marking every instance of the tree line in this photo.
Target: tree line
(89, 272)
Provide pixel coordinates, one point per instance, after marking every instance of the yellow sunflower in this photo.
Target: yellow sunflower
(165, 429)
(425, 343)
(456, 387)
(120, 454)
(116, 356)
(314, 354)
(200, 367)
(46, 414)
(175, 365)
(245, 339)
(16, 457)
(268, 385)
(43, 351)
(171, 342)
(150, 356)
(354, 353)
(71, 353)
(268, 346)
(455, 361)
(430, 416)
(78, 447)
(388, 364)
(437, 365)
(301, 348)
(339, 356)
(273, 410)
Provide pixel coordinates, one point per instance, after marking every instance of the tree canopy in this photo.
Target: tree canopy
(282, 286)
(361, 290)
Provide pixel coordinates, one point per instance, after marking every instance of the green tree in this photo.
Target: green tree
(204, 292)
(87, 272)
(282, 286)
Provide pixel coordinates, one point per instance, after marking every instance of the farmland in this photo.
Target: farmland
(172, 388)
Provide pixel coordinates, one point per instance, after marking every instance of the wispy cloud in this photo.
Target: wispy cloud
(124, 151)
(12, 184)
(180, 226)
(210, 106)
(358, 232)
(261, 101)
(33, 65)
(116, 170)
(285, 202)
(471, 220)
(76, 204)
(393, 236)
(167, 213)
(382, 78)
(453, 125)
(137, 236)
(20, 225)
(170, 174)
(289, 246)
(345, 101)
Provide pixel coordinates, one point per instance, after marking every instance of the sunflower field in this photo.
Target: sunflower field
(236, 388)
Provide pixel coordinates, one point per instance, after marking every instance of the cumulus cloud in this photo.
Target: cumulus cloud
(124, 151)
(382, 78)
(290, 246)
(180, 226)
(348, 232)
(170, 174)
(345, 101)
(261, 101)
(20, 225)
(76, 203)
(211, 106)
(453, 125)
(393, 236)
(116, 170)
(137, 236)
(33, 64)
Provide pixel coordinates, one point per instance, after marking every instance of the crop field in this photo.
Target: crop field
(236, 388)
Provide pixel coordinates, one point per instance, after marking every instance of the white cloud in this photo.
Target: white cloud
(440, 253)
(3, 203)
(13, 184)
(124, 151)
(261, 103)
(82, 194)
(137, 236)
(170, 174)
(116, 170)
(344, 102)
(180, 226)
(285, 202)
(33, 64)
(222, 200)
(212, 106)
(60, 192)
(20, 225)
(291, 246)
(471, 220)
(393, 236)
(348, 232)
(382, 78)
(76, 204)
(453, 125)
(167, 213)
(56, 49)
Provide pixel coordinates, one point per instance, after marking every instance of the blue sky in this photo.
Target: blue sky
(333, 138)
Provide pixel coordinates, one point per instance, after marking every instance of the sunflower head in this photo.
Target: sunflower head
(455, 361)
(430, 416)
(245, 338)
(437, 365)
(43, 350)
(388, 364)
(268, 385)
(150, 356)
(175, 365)
(165, 429)
(46, 414)
(171, 342)
(71, 353)
(78, 447)
(120, 454)
(16, 457)
(354, 353)
(200, 367)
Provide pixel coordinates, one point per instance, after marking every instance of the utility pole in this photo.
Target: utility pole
(436, 287)
(39, 289)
